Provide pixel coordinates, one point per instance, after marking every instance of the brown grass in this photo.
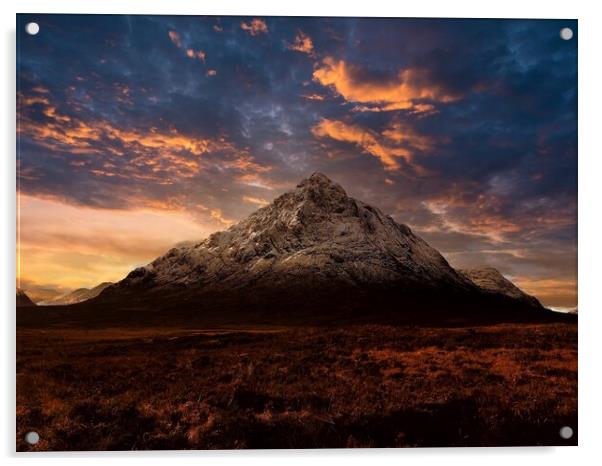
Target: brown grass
(364, 386)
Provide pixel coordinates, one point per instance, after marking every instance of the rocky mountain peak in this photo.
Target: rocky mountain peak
(315, 197)
(314, 251)
(319, 185)
(315, 233)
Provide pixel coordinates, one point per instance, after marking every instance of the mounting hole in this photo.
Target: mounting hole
(566, 432)
(566, 33)
(32, 28)
(32, 437)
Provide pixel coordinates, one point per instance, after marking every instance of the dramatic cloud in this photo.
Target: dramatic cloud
(255, 200)
(303, 44)
(139, 132)
(254, 27)
(153, 155)
(69, 246)
(402, 92)
(396, 142)
(364, 139)
(560, 292)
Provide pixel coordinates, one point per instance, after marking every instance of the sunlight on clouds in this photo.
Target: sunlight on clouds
(405, 135)
(362, 138)
(398, 94)
(175, 38)
(560, 292)
(153, 154)
(313, 97)
(191, 53)
(472, 218)
(71, 246)
(255, 200)
(217, 214)
(302, 43)
(397, 142)
(256, 181)
(254, 27)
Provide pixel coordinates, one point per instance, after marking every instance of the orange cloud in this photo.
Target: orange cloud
(211, 72)
(255, 200)
(362, 138)
(396, 142)
(217, 214)
(191, 53)
(412, 108)
(153, 154)
(400, 93)
(561, 292)
(256, 181)
(255, 27)
(405, 135)
(313, 97)
(175, 38)
(74, 246)
(303, 44)
(480, 217)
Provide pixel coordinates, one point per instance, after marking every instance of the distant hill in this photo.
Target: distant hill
(77, 296)
(23, 300)
(40, 294)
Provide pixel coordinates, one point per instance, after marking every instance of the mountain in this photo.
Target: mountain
(23, 300)
(77, 296)
(313, 255)
(492, 281)
(315, 234)
(40, 294)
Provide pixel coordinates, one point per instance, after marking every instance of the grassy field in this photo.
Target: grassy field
(362, 386)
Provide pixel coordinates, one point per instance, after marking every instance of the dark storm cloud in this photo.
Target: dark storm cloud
(464, 129)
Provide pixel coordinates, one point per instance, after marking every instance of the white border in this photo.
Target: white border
(590, 225)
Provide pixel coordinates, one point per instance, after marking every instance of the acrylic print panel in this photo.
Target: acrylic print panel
(272, 232)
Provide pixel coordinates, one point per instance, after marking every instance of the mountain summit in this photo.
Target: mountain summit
(312, 251)
(316, 235)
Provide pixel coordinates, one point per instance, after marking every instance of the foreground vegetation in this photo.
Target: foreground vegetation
(362, 386)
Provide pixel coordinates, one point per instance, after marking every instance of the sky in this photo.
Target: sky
(137, 133)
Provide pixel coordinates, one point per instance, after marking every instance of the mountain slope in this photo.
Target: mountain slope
(312, 237)
(77, 296)
(492, 281)
(314, 254)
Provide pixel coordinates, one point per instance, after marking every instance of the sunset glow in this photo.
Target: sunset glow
(147, 132)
